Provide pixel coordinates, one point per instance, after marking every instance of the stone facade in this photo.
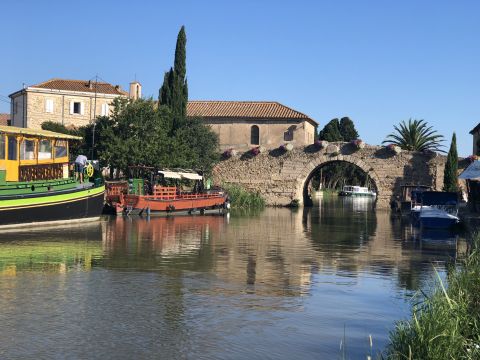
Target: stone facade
(237, 134)
(281, 178)
(68, 102)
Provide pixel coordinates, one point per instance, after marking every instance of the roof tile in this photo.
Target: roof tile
(243, 109)
(81, 85)
(4, 119)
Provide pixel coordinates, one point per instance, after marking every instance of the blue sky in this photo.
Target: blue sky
(378, 62)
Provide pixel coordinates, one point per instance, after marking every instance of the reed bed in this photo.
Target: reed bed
(446, 324)
(241, 198)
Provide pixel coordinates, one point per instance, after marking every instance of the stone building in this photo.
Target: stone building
(4, 119)
(241, 125)
(476, 139)
(68, 102)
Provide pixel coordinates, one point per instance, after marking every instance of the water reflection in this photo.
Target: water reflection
(278, 284)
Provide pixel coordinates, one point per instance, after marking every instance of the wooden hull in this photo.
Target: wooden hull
(77, 204)
(148, 204)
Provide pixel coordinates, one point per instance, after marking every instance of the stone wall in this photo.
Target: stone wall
(281, 177)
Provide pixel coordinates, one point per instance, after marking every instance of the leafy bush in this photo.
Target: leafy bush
(242, 198)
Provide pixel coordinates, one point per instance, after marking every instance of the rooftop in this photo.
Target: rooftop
(244, 109)
(81, 85)
(4, 119)
(33, 132)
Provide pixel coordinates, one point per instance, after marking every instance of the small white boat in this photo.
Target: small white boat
(349, 190)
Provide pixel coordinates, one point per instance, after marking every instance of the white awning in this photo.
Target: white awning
(191, 176)
(472, 172)
(170, 174)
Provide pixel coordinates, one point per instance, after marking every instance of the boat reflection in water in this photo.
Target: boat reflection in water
(59, 248)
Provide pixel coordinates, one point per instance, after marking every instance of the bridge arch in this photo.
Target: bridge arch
(321, 162)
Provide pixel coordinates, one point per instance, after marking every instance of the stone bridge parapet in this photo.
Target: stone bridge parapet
(282, 176)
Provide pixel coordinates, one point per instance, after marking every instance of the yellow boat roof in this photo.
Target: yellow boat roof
(34, 132)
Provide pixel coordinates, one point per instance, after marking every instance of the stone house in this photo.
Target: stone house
(4, 119)
(68, 102)
(242, 125)
(476, 139)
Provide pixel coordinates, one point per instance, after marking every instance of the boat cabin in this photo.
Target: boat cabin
(28, 155)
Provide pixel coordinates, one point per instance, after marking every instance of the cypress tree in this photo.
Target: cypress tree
(331, 131)
(174, 91)
(451, 167)
(347, 129)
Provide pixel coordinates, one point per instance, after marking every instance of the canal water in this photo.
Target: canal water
(325, 282)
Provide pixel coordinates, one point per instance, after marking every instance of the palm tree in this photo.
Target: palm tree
(415, 135)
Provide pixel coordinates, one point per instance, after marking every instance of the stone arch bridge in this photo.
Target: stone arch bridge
(282, 176)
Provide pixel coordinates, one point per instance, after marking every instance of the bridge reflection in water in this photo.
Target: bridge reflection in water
(277, 284)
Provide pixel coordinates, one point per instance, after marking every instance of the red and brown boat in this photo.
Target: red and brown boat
(162, 193)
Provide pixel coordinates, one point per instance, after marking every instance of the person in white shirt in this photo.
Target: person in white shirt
(80, 163)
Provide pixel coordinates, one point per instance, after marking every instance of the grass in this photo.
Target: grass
(241, 198)
(445, 325)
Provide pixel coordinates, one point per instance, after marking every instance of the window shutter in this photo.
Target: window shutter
(106, 110)
(82, 108)
(49, 105)
(71, 107)
(103, 110)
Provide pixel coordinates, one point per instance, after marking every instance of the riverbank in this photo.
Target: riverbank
(241, 198)
(446, 324)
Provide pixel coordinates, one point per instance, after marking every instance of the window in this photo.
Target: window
(76, 107)
(44, 149)
(2, 146)
(60, 148)
(12, 148)
(27, 149)
(105, 111)
(288, 135)
(15, 107)
(49, 105)
(255, 135)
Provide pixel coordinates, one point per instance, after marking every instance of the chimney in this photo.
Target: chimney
(90, 86)
(135, 90)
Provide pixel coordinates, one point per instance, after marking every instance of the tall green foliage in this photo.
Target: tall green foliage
(331, 131)
(335, 130)
(451, 167)
(174, 92)
(137, 133)
(415, 135)
(347, 129)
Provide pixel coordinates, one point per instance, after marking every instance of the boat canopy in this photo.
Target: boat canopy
(180, 175)
(39, 133)
(170, 174)
(191, 176)
(472, 172)
(438, 198)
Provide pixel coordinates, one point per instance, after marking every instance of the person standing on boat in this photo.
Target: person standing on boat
(80, 163)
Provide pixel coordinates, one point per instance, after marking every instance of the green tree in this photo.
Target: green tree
(415, 135)
(331, 131)
(450, 182)
(347, 129)
(174, 91)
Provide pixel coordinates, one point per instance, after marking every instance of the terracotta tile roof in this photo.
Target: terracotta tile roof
(243, 109)
(81, 85)
(4, 119)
